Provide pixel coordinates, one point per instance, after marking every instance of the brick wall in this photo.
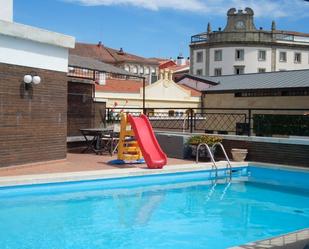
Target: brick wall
(288, 154)
(99, 113)
(80, 107)
(83, 112)
(32, 122)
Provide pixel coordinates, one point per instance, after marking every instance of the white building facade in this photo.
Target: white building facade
(241, 48)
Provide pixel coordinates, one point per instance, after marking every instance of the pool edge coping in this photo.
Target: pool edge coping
(10, 181)
(63, 177)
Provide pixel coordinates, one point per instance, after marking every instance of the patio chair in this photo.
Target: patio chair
(111, 139)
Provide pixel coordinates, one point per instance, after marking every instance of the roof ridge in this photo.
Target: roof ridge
(107, 49)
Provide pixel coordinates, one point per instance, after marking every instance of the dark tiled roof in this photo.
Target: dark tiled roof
(271, 80)
(86, 62)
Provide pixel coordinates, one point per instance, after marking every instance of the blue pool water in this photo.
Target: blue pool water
(173, 211)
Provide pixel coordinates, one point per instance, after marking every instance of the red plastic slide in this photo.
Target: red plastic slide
(147, 141)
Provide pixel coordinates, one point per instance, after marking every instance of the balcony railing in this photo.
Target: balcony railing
(90, 74)
(199, 38)
(292, 38)
(248, 36)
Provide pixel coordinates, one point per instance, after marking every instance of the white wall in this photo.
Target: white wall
(289, 64)
(250, 61)
(29, 53)
(6, 10)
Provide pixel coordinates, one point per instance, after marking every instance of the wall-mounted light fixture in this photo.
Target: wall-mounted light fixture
(29, 79)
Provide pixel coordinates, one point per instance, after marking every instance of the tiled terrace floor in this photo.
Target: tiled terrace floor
(75, 162)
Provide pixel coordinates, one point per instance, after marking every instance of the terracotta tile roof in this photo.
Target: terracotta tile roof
(167, 64)
(108, 55)
(132, 86)
(172, 65)
(93, 51)
(194, 92)
(119, 85)
(160, 60)
(180, 68)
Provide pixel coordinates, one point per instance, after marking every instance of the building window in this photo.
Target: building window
(282, 56)
(262, 55)
(218, 55)
(297, 58)
(127, 68)
(199, 57)
(146, 70)
(261, 70)
(218, 72)
(239, 69)
(134, 69)
(239, 54)
(272, 92)
(199, 72)
(171, 113)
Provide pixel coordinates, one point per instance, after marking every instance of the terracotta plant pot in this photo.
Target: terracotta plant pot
(239, 155)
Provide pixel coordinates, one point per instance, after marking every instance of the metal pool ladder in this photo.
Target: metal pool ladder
(214, 165)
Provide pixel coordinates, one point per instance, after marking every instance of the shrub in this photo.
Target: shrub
(198, 139)
(292, 125)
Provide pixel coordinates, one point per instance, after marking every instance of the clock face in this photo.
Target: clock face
(240, 25)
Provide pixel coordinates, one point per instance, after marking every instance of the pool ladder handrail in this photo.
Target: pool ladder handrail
(214, 165)
(228, 166)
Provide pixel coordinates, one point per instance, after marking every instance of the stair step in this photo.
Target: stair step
(131, 149)
(130, 157)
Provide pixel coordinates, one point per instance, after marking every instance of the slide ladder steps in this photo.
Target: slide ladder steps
(128, 149)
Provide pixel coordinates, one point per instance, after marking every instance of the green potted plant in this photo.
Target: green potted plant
(194, 141)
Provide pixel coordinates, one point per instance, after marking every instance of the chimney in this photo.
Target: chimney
(6, 10)
(121, 52)
(99, 43)
(181, 61)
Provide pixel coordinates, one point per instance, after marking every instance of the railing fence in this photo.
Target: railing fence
(237, 121)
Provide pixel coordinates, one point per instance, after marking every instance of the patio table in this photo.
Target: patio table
(95, 142)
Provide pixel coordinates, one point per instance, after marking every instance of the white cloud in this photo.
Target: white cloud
(191, 5)
(262, 8)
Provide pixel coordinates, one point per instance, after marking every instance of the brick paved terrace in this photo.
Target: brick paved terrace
(75, 162)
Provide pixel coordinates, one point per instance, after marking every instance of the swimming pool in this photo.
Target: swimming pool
(182, 210)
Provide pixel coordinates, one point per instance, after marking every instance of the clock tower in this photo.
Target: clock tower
(240, 20)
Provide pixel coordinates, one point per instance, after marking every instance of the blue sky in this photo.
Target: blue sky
(152, 28)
